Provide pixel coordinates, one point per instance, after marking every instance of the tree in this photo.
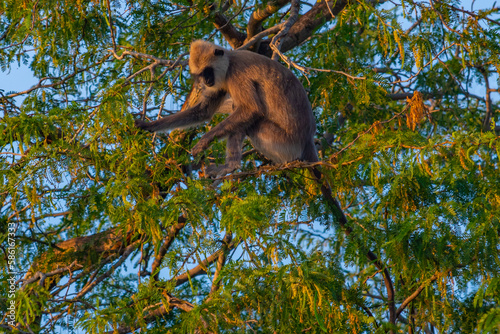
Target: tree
(107, 229)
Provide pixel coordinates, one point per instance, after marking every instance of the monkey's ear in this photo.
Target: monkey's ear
(218, 52)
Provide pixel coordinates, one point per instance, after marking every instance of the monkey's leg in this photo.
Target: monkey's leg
(233, 157)
(237, 122)
(278, 144)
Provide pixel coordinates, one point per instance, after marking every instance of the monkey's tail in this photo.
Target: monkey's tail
(334, 205)
(331, 201)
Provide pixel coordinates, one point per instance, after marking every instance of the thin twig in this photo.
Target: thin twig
(111, 25)
(471, 13)
(42, 276)
(174, 231)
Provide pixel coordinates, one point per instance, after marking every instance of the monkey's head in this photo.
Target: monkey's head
(209, 62)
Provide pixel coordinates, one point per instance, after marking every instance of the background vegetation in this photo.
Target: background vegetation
(116, 230)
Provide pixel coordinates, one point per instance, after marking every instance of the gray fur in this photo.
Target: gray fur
(265, 102)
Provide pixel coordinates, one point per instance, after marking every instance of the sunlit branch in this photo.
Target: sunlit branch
(257, 38)
(259, 15)
(169, 239)
(200, 269)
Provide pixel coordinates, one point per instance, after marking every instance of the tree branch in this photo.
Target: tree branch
(60, 82)
(232, 35)
(42, 276)
(255, 22)
(90, 286)
(158, 312)
(422, 286)
(489, 109)
(276, 41)
(181, 222)
(220, 263)
(255, 39)
(337, 210)
(179, 303)
(106, 244)
(318, 15)
(200, 268)
(414, 295)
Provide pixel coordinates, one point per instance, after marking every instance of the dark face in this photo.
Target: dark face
(208, 76)
(208, 73)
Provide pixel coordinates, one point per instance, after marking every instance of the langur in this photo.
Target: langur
(264, 99)
(265, 102)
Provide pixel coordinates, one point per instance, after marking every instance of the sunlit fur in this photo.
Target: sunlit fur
(201, 55)
(264, 99)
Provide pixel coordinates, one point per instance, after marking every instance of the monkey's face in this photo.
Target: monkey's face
(208, 76)
(209, 63)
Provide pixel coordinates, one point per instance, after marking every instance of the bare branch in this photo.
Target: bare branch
(424, 284)
(220, 262)
(318, 15)
(179, 303)
(106, 243)
(111, 270)
(159, 61)
(255, 22)
(149, 90)
(158, 312)
(111, 28)
(57, 83)
(489, 109)
(275, 42)
(255, 39)
(286, 166)
(42, 276)
(200, 268)
(151, 67)
(232, 35)
(471, 14)
(181, 222)
(414, 295)
(443, 21)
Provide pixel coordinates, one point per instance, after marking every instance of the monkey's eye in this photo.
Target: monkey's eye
(218, 52)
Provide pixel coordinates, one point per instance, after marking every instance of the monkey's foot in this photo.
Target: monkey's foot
(213, 170)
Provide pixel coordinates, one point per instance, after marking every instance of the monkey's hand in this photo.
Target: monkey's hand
(140, 124)
(214, 171)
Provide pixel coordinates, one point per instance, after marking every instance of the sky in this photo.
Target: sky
(20, 78)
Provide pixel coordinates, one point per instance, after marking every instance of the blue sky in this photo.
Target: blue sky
(19, 78)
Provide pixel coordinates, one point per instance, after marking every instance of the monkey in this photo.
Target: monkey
(265, 101)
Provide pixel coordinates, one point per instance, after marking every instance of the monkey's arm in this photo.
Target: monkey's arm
(190, 117)
(183, 119)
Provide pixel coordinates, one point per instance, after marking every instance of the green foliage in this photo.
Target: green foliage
(114, 229)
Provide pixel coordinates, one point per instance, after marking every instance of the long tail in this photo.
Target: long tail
(334, 205)
(331, 201)
(309, 154)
